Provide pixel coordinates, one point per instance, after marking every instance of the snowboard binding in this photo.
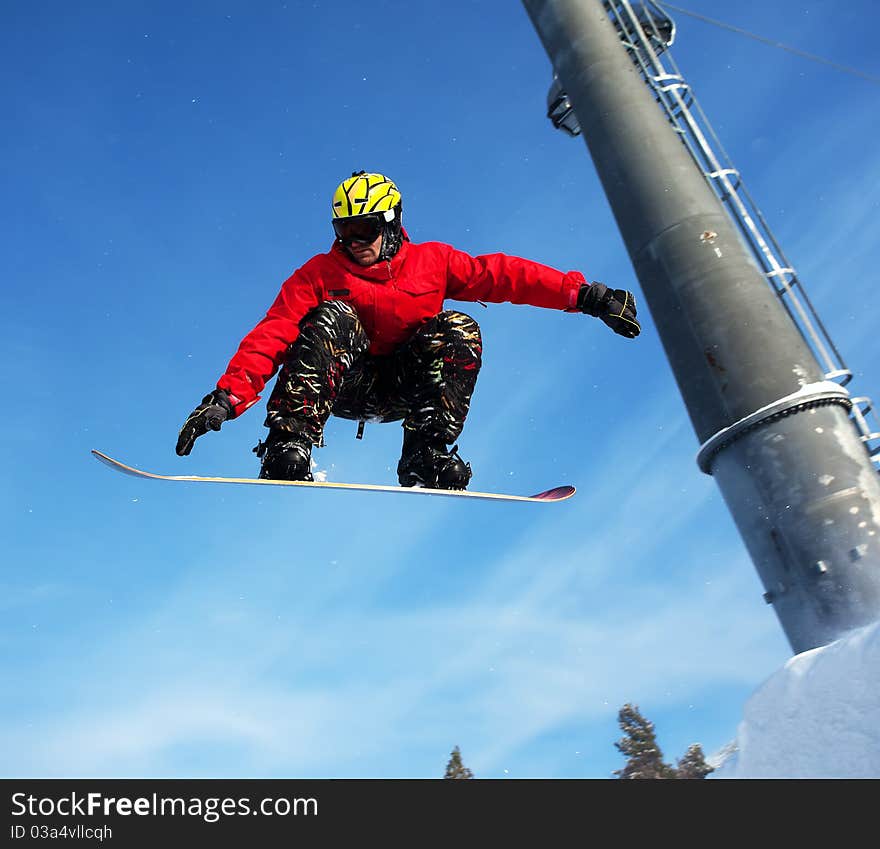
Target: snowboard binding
(285, 457)
(429, 463)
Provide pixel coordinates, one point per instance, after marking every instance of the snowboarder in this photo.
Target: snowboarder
(360, 332)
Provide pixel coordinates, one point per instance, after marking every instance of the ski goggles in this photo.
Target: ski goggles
(362, 229)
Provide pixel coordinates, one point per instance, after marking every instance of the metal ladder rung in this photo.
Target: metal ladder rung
(863, 399)
(846, 374)
(674, 87)
(870, 437)
(724, 172)
(861, 407)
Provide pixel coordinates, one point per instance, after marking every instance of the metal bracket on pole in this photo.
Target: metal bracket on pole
(807, 397)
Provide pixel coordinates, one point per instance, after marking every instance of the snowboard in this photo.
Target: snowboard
(558, 493)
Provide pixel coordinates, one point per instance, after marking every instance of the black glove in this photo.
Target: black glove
(209, 415)
(616, 307)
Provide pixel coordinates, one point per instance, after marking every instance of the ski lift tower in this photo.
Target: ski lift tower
(793, 453)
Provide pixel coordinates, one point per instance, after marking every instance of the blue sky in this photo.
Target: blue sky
(165, 168)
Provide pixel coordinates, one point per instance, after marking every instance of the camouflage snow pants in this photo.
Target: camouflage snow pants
(427, 382)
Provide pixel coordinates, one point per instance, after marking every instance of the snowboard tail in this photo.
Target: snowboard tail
(558, 493)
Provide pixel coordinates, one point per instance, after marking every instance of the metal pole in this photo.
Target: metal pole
(775, 434)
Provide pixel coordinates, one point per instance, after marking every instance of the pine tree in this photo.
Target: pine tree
(692, 764)
(644, 758)
(455, 768)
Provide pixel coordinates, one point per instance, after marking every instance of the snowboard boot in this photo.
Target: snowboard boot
(429, 463)
(285, 457)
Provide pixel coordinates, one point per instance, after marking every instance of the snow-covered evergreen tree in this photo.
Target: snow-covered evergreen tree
(455, 768)
(693, 764)
(639, 745)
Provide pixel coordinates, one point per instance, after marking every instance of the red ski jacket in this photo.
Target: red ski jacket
(392, 298)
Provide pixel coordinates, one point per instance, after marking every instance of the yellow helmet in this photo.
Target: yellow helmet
(365, 194)
(366, 206)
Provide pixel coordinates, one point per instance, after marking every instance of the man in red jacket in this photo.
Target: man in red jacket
(360, 332)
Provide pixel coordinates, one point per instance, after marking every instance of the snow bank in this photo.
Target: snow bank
(817, 717)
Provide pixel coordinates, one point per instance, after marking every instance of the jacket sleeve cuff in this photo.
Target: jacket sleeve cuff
(239, 405)
(571, 286)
